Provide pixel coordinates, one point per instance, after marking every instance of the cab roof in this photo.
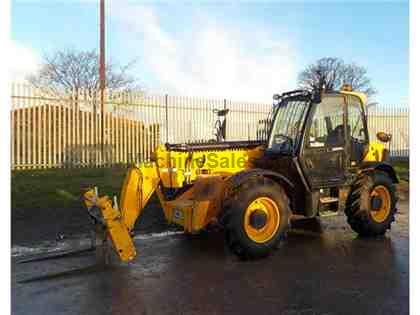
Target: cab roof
(360, 95)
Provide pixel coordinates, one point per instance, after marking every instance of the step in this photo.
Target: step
(328, 213)
(182, 203)
(325, 200)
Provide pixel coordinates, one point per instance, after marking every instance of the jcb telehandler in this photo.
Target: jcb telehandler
(317, 159)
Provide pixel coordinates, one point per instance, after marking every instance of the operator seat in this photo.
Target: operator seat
(336, 138)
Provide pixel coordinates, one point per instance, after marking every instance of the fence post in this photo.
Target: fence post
(166, 118)
(225, 121)
(12, 129)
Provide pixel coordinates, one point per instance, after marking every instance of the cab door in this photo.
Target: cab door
(323, 148)
(358, 137)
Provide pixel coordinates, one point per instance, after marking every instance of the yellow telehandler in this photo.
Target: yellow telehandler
(316, 160)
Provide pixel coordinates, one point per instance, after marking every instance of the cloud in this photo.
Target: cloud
(23, 61)
(208, 59)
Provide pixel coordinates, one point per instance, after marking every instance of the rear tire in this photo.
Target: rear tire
(364, 217)
(245, 236)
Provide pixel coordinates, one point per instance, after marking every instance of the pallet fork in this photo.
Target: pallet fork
(99, 245)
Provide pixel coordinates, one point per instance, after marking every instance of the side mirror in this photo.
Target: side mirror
(383, 137)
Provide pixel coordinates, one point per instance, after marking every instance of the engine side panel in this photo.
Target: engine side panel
(178, 167)
(376, 152)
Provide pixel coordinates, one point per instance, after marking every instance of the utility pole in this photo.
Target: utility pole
(102, 73)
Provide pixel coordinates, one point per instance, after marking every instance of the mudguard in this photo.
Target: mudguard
(239, 178)
(381, 166)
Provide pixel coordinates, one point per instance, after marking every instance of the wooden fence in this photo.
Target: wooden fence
(64, 130)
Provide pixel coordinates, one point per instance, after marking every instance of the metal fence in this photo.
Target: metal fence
(391, 119)
(50, 130)
(64, 130)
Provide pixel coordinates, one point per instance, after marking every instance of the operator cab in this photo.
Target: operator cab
(328, 134)
(335, 139)
(324, 138)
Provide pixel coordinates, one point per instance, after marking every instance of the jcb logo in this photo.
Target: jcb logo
(178, 215)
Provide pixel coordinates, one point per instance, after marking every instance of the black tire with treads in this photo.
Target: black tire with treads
(234, 212)
(358, 204)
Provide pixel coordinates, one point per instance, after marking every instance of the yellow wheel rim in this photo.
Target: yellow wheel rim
(381, 214)
(271, 210)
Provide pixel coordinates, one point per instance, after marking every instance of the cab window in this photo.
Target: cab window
(355, 120)
(327, 123)
(358, 137)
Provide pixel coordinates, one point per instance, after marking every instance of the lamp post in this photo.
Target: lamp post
(102, 73)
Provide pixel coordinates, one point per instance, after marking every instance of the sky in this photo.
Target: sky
(243, 50)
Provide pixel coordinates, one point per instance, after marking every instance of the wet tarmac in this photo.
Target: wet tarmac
(322, 268)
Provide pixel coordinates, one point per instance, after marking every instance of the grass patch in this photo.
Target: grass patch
(403, 169)
(61, 188)
(47, 203)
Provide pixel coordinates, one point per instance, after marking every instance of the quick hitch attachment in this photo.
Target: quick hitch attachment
(103, 212)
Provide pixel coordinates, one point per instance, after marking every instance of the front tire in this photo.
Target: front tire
(255, 218)
(371, 205)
